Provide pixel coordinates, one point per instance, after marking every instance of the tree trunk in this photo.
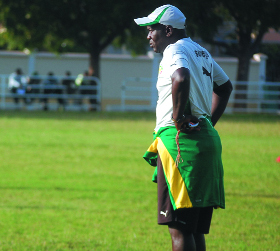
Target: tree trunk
(244, 55)
(94, 63)
(243, 67)
(242, 75)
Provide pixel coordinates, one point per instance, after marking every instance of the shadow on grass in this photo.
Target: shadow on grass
(251, 118)
(268, 196)
(92, 190)
(62, 189)
(150, 116)
(58, 115)
(39, 208)
(66, 189)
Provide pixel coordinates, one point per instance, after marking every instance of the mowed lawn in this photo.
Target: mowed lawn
(77, 181)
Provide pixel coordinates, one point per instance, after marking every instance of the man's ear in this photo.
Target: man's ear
(169, 30)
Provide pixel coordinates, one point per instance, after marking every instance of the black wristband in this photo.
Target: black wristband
(178, 120)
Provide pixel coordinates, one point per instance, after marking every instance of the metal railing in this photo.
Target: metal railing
(247, 97)
(136, 94)
(51, 96)
(255, 97)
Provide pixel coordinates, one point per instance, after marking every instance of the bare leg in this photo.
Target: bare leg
(181, 241)
(199, 242)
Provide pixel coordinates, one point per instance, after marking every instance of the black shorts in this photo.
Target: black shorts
(191, 220)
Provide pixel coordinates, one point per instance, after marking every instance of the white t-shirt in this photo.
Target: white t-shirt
(16, 80)
(203, 72)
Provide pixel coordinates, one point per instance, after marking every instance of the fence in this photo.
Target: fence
(250, 97)
(136, 94)
(255, 97)
(46, 96)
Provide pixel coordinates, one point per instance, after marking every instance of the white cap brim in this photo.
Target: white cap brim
(143, 21)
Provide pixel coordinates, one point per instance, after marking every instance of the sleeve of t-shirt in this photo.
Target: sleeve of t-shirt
(178, 59)
(219, 76)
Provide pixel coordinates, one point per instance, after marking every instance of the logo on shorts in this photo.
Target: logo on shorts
(164, 213)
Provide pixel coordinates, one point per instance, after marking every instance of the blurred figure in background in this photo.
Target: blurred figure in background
(50, 84)
(81, 80)
(69, 83)
(86, 82)
(92, 101)
(33, 85)
(17, 85)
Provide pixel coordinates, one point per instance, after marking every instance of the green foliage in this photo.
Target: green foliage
(77, 181)
(135, 40)
(251, 19)
(203, 18)
(92, 25)
(252, 22)
(64, 25)
(48, 24)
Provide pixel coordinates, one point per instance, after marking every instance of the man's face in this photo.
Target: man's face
(157, 37)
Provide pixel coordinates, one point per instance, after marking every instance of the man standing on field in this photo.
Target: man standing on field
(192, 88)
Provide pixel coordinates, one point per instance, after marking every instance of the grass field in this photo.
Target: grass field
(77, 181)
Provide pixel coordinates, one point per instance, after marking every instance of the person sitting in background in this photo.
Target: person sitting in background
(92, 100)
(17, 85)
(33, 85)
(86, 81)
(69, 83)
(50, 84)
(81, 80)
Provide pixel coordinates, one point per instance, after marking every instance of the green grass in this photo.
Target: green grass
(77, 181)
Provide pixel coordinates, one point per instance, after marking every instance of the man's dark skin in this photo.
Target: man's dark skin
(160, 36)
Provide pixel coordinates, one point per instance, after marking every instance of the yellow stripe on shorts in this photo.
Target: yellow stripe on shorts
(175, 181)
(153, 146)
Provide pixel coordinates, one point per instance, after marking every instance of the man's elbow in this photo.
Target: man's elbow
(224, 89)
(229, 87)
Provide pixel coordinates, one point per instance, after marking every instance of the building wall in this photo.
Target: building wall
(114, 68)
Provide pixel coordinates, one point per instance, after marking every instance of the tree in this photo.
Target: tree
(61, 25)
(91, 25)
(252, 20)
(273, 62)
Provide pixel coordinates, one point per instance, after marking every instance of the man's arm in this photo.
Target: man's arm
(180, 96)
(220, 99)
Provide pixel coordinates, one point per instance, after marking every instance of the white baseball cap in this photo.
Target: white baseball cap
(166, 15)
